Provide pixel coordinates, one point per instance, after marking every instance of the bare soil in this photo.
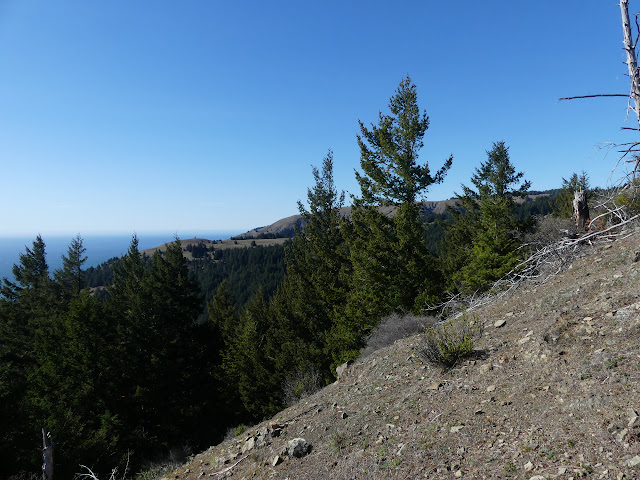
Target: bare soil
(552, 393)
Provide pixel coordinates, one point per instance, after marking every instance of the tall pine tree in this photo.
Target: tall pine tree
(392, 268)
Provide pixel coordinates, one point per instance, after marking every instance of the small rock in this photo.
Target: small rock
(249, 445)
(277, 460)
(435, 386)
(633, 418)
(523, 340)
(401, 449)
(486, 367)
(528, 467)
(633, 462)
(500, 323)
(458, 474)
(562, 470)
(619, 436)
(461, 451)
(298, 447)
(537, 477)
(343, 368)
(343, 415)
(491, 388)
(456, 428)
(478, 412)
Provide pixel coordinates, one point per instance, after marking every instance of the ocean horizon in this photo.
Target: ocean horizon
(99, 248)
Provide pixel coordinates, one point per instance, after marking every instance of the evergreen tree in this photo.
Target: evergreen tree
(488, 222)
(318, 271)
(24, 309)
(70, 279)
(224, 321)
(163, 370)
(31, 274)
(249, 360)
(392, 268)
(75, 385)
(176, 372)
(389, 153)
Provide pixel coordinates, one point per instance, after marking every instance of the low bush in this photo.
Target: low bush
(444, 345)
(392, 328)
(301, 384)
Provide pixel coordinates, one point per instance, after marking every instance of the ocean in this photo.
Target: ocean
(100, 248)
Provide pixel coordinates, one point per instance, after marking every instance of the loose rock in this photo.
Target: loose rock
(298, 448)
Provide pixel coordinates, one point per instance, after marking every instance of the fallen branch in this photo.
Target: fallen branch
(225, 470)
(553, 258)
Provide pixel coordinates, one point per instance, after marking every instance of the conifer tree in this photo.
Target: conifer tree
(70, 279)
(249, 360)
(31, 274)
(75, 385)
(176, 373)
(24, 309)
(318, 269)
(392, 268)
(492, 226)
(224, 321)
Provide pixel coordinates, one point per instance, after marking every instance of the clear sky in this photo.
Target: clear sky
(167, 116)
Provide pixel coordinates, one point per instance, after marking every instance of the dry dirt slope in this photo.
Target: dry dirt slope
(552, 394)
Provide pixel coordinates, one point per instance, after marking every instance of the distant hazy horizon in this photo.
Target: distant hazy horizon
(100, 248)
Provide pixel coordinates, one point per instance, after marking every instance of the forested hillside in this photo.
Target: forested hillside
(183, 344)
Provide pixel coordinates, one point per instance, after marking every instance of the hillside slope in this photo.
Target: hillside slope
(287, 224)
(439, 207)
(552, 393)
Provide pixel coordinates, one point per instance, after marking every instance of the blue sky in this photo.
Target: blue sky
(166, 116)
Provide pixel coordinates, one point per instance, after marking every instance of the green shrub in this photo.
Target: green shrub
(444, 345)
(629, 197)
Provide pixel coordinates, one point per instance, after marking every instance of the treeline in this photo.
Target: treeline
(138, 372)
(246, 270)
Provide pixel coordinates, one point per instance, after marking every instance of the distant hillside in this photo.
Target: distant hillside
(212, 245)
(285, 226)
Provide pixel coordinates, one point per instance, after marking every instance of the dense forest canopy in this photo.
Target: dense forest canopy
(143, 355)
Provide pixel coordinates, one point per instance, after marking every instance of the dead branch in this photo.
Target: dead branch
(92, 476)
(225, 470)
(594, 96)
(541, 266)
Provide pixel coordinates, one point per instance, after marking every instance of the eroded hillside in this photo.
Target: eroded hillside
(552, 393)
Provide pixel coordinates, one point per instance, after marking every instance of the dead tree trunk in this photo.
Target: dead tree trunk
(47, 456)
(632, 64)
(580, 210)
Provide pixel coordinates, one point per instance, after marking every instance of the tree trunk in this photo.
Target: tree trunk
(632, 64)
(580, 210)
(47, 456)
